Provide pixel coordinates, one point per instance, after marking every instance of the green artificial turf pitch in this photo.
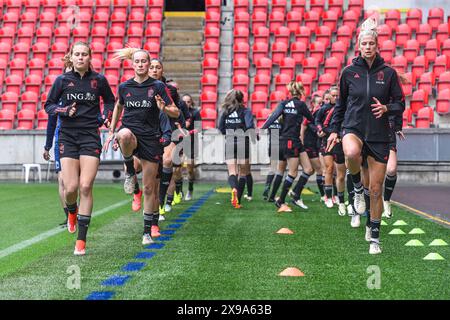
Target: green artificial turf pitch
(218, 253)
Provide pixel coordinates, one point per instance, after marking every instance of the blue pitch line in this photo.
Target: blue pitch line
(120, 280)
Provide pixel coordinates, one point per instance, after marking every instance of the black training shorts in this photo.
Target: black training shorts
(290, 148)
(377, 150)
(74, 143)
(231, 150)
(338, 153)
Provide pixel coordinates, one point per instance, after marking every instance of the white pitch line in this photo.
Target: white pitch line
(22, 245)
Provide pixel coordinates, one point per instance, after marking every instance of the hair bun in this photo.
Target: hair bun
(369, 25)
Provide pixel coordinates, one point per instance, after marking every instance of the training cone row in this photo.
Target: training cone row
(433, 256)
(418, 243)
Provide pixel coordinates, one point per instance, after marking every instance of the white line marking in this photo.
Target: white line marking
(22, 245)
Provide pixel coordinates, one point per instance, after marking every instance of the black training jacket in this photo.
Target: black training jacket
(358, 85)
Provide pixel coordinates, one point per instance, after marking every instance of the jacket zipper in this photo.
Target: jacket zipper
(368, 100)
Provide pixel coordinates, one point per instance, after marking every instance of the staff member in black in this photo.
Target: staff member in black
(292, 112)
(235, 116)
(193, 137)
(79, 92)
(369, 92)
(143, 99)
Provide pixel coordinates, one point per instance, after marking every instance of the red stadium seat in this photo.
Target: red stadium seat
(17, 67)
(344, 34)
(112, 66)
(62, 34)
(36, 67)
(11, 19)
(120, 6)
(279, 51)
(259, 100)
(211, 49)
(241, 35)
(241, 66)
(350, 19)
(84, 19)
(443, 81)
(47, 19)
(298, 5)
(306, 80)
(209, 82)
(33, 83)
(419, 100)
(97, 64)
(212, 19)
(281, 80)
(317, 6)
(387, 50)
(112, 48)
(208, 100)
(32, 6)
(100, 19)
(260, 50)
(423, 33)
(426, 82)
(294, 20)
(414, 18)
(402, 34)
(153, 48)
(276, 97)
(441, 64)
(330, 19)
(279, 6)
(431, 49)
(276, 19)
(311, 19)
(135, 35)
(423, 119)
(443, 102)
(10, 101)
(98, 48)
(261, 116)
(442, 32)
(44, 35)
(208, 118)
(212, 34)
(5, 50)
(49, 81)
(407, 87)
(241, 82)
(6, 119)
(86, 6)
(213, 5)
(332, 66)
(259, 19)
(241, 50)
(260, 6)
(211, 66)
(42, 118)
(118, 19)
(446, 47)
(303, 34)
(326, 80)
(419, 66)
(262, 83)
(407, 116)
(29, 18)
(356, 5)
(384, 33)
(21, 50)
(264, 66)
(240, 6)
(153, 34)
(317, 50)
(25, 119)
(338, 50)
(323, 34)
(435, 17)
(282, 34)
(50, 5)
(261, 34)
(392, 18)
(7, 35)
(99, 34)
(117, 34)
(136, 19)
(59, 49)
(311, 67)
(80, 34)
(399, 63)
(336, 6)
(241, 19)
(139, 5)
(298, 51)
(55, 66)
(411, 50)
(287, 66)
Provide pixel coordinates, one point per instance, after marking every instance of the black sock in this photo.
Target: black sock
(350, 189)
(249, 178)
(341, 197)
(148, 219)
(389, 184)
(155, 220)
(300, 185)
(319, 180)
(179, 186)
(129, 165)
(166, 176)
(191, 185)
(269, 180)
(233, 181)
(375, 230)
(335, 192)
(241, 187)
(66, 211)
(286, 185)
(136, 188)
(83, 225)
(72, 208)
(328, 191)
(356, 179)
(169, 199)
(276, 185)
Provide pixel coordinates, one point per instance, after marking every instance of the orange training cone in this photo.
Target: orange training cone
(291, 272)
(285, 231)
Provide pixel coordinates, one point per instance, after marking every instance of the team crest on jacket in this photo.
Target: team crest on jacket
(380, 77)
(94, 84)
(151, 92)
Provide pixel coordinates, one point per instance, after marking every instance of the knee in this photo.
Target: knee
(148, 190)
(125, 137)
(391, 171)
(70, 188)
(352, 154)
(85, 188)
(329, 170)
(167, 161)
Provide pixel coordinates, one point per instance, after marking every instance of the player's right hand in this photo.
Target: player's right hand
(108, 141)
(331, 141)
(46, 155)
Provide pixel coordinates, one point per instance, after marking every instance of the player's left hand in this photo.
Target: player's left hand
(401, 135)
(378, 109)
